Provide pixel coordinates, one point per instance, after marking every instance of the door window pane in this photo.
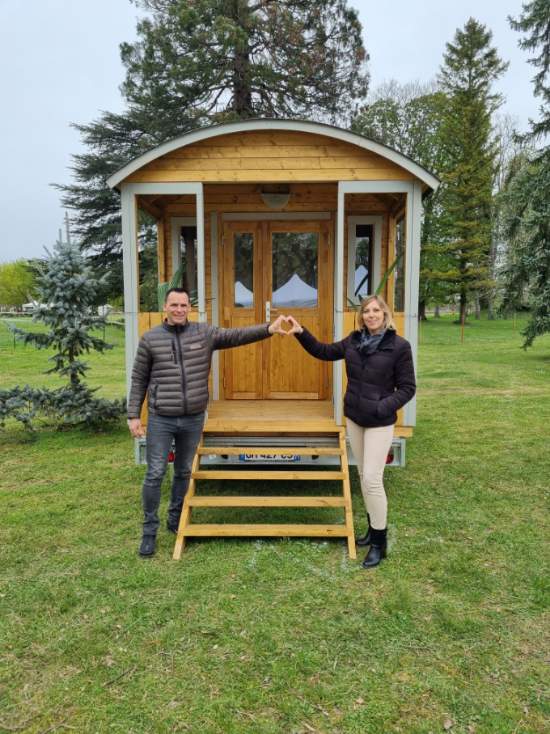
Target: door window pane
(294, 269)
(243, 254)
(363, 260)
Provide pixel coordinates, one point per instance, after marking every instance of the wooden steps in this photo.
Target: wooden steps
(258, 474)
(262, 501)
(332, 442)
(266, 531)
(261, 451)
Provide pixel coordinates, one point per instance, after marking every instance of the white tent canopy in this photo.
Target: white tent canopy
(295, 292)
(243, 296)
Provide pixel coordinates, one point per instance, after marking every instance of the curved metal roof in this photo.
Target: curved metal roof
(318, 128)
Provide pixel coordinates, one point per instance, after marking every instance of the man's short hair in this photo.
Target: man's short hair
(176, 290)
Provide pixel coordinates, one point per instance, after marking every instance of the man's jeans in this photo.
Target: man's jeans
(163, 431)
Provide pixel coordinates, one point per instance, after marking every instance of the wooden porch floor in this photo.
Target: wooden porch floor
(273, 416)
(276, 416)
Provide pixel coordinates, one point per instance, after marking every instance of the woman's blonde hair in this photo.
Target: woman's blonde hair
(388, 316)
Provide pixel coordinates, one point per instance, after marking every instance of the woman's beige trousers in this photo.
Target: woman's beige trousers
(370, 447)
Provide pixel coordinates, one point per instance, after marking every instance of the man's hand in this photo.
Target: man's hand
(295, 327)
(136, 429)
(276, 326)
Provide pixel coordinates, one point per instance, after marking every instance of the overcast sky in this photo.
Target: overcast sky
(60, 63)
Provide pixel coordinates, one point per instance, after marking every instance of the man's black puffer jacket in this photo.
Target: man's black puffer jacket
(173, 362)
(378, 384)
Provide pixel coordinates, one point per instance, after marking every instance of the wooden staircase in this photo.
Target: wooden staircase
(332, 442)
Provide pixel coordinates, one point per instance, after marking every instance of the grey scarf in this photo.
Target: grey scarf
(368, 343)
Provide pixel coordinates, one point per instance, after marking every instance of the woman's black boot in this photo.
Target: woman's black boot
(365, 539)
(378, 547)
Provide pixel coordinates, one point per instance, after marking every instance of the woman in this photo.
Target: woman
(380, 371)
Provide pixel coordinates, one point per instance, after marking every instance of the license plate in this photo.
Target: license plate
(270, 458)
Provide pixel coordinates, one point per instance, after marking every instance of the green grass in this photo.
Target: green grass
(289, 637)
(23, 364)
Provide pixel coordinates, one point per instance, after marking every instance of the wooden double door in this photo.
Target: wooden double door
(271, 268)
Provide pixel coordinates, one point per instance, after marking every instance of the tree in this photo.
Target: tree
(529, 191)
(16, 283)
(409, 118)
(197, 62)
(510, 157)
(68, 292)
(514, 275)
(469, 69)
(535, 21)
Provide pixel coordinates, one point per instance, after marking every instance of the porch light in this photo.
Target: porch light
(275, 196)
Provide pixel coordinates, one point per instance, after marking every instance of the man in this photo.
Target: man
(172, 365)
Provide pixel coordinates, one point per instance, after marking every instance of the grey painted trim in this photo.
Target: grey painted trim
(179, 187)
(138, 442)
(337, 373)
(201, 266)
(377, 222)
(339, 253)
(412, 277)
(275, 216)
(270, 125)
(176, 223)
(215, 300)
(376, 187)
(130, 267)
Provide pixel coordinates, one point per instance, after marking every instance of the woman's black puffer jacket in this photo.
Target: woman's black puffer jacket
(378, 384)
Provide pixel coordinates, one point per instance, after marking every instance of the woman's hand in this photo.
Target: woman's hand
(295, 327)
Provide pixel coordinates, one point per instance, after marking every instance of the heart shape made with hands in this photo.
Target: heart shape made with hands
(285, 321)
(290, 320)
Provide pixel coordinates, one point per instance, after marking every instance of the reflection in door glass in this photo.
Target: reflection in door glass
(294, 269)
(243, 255)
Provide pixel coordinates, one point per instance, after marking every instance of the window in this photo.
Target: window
(362, 284)
(243, 254)
(188, 254)
(364, 244)
(294, 269)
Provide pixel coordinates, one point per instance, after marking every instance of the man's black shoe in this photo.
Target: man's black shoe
(172, 527)
(148, 545)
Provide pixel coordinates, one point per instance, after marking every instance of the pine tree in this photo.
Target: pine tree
(198, 62)
(470, 67)
(529, 191)
(67, 292)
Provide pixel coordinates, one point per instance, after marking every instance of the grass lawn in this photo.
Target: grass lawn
(242, 636)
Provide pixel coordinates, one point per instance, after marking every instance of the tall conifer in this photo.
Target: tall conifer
(529, 191)
(469, 69)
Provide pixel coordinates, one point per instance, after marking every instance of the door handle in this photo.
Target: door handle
(268, 311)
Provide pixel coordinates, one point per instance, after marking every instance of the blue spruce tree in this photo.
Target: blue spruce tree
(68, 292)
